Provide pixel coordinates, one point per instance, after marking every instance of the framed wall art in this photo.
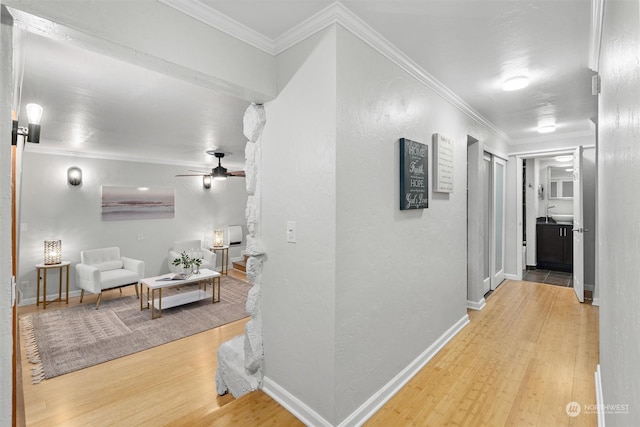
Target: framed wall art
(125, 203)
(414, 175)
(442, 164)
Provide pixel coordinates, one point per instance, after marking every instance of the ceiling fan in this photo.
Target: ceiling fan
(219, 172)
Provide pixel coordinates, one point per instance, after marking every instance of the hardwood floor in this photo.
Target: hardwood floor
(532, 350)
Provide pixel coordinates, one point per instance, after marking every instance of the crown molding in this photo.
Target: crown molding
(218, 20)
(595, 33)
(336, 13)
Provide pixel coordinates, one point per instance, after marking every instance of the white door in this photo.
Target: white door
(498, 215)
(487, 179)
(578, 226)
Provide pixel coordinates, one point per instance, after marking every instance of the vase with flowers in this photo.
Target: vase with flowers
(189, 262)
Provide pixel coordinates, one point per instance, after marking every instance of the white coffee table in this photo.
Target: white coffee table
(157, 283)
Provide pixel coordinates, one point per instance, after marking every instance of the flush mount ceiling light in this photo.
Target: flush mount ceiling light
(563, 159)
(515, 83)
(547, 129)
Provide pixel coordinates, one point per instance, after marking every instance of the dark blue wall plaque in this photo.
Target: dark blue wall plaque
(414, 175)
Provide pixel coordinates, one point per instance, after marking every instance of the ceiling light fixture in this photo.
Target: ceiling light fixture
(563, 159)
(515, 83)
(547, 129)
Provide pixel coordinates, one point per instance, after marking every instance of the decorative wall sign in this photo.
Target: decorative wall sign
(442, 164)
(414, 175)
(123, 203)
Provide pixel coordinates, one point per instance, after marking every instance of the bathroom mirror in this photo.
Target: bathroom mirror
(560, 182)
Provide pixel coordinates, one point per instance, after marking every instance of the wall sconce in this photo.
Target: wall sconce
(218, 238)
(206, 181)
(74, 175)
(52, 252)
(32, 131)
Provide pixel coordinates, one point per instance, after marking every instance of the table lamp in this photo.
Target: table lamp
(52, 252)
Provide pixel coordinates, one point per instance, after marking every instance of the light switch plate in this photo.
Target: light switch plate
(291, 231)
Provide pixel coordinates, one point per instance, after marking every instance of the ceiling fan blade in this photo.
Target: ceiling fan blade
(236, 173)
(200, 174)
(199, 171)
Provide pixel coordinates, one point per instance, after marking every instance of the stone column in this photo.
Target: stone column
(240, 360)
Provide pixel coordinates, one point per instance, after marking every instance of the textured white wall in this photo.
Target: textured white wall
(401, 275)
(144, 31)
(52, 209)
(618, 207)
(6, 302)
(299, 184)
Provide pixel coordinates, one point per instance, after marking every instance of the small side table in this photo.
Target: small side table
(44, 268)
(225, 257)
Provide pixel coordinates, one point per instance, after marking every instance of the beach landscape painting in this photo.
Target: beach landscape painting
(127, 203)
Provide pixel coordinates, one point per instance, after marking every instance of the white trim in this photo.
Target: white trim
(473, 305)
(550, 151)
(220, 21)
(599, 396)
(335, 13)
(552, 137)
(292, 404)
(589, 287)
(508, 276)
(595, 33)
(596, 302)
(39, 149)
(32, 300)
(377, 400)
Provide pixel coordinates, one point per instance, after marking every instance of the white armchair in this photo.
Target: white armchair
(104, 268)
(208, 258)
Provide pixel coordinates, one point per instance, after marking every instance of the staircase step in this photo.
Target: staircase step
(240, 265)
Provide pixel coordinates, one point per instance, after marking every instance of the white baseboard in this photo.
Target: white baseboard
(32, 300)
(377, 400)
(599, 397)
(476, 305)
(512, 277)
(596, 302)
(589, 287)
(292, 404)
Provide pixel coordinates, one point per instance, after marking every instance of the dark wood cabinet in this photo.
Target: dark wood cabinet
(554, 247)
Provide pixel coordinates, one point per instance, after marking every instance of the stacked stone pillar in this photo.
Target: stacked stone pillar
(241, 359)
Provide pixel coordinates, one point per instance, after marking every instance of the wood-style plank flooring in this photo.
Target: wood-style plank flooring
(532, 350)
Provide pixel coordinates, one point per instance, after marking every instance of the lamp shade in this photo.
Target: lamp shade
(218, 238)
(52, 251)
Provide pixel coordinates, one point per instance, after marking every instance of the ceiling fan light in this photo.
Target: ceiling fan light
(219, 173)
(515, 83)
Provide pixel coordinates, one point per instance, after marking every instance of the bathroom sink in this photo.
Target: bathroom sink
(562, 217)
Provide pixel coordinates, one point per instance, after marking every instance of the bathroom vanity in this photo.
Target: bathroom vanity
(554, 248)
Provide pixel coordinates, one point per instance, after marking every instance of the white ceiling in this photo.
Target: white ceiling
(99, 105)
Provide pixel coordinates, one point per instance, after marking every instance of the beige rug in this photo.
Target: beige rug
(66, 340)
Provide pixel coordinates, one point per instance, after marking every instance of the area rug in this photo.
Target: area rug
(66, 340)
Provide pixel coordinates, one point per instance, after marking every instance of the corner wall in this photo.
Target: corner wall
(6, 293)
(368, 290)
(618, 207)
(53, 209)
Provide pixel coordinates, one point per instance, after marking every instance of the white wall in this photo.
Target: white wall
(618, 207)
(299, 184)
(367, 288)
(6, 300)
(53, 209)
